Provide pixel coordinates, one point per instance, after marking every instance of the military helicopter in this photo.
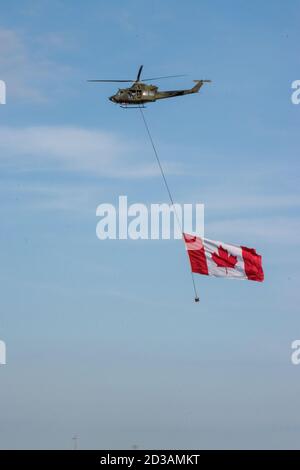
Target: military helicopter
(140, 93)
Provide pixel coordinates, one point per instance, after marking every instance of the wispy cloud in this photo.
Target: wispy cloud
(27, 70)
(76, 149)
(274, 229)
(257, 202)
(44, 196)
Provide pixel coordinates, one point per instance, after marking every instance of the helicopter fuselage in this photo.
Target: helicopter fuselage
(140, 93)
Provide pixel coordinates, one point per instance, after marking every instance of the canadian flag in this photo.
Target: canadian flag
(213, 258)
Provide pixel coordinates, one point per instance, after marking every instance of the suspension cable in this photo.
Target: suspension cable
(168, 191)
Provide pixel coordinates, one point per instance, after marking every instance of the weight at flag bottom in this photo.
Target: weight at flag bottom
(215, 258)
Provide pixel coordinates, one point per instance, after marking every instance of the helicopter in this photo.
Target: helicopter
(140, 93)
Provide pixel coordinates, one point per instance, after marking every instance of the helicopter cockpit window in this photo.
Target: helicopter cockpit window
(148, 93)
(135, 93)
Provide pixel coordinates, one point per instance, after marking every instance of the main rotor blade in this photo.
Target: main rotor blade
(139, 73)
(159, 78)
(115, 81)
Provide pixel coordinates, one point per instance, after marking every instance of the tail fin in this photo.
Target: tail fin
(199, 84)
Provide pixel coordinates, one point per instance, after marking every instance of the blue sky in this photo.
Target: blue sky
(103, 337)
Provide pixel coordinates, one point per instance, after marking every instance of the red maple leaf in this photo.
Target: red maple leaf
(223, 259)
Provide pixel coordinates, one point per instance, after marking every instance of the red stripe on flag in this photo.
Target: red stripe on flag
(195, 248)
(253, 265)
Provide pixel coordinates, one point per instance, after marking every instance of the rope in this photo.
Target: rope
(168, 191)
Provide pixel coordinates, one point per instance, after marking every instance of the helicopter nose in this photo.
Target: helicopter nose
(112, 98)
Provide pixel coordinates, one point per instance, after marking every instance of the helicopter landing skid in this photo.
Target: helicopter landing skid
(133, 107)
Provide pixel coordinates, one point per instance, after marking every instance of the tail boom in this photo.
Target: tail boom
(172, 93)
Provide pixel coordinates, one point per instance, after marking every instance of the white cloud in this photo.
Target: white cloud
(255, 191)
(274, 229)
(27, 70)
(76, 149)
(256, 202)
